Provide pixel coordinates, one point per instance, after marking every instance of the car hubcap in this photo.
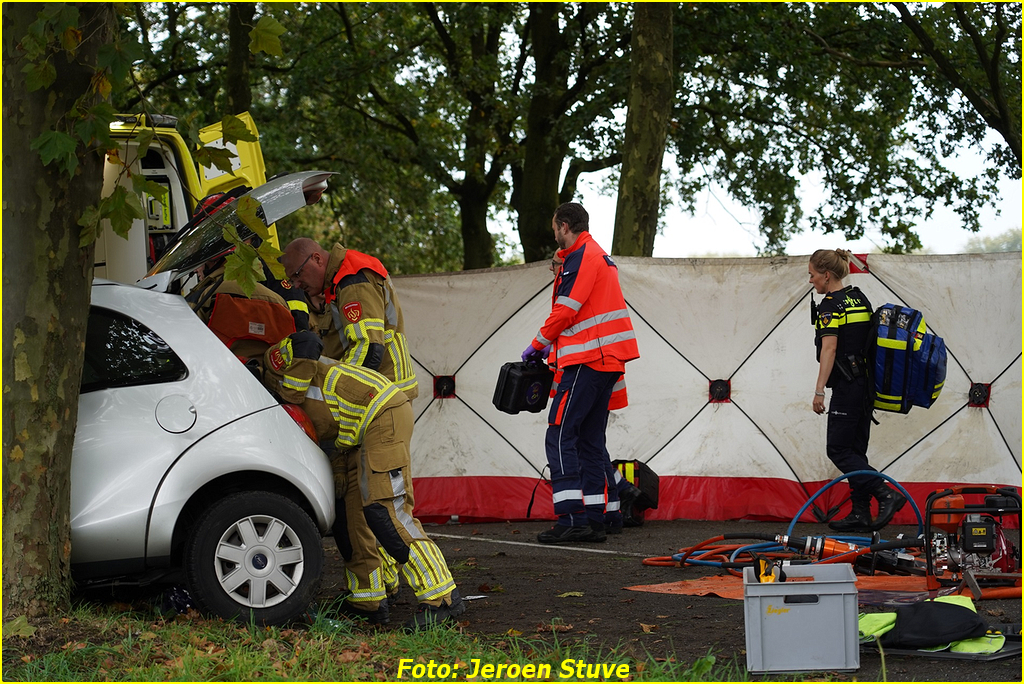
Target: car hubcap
(259, 561)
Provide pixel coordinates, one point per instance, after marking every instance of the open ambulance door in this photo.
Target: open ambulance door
(169, 163)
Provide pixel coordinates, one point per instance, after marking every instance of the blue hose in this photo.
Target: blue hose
(917, 512)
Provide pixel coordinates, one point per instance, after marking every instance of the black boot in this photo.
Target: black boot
(859, 519)
(889, 501)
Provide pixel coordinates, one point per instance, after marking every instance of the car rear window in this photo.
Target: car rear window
(121, 352)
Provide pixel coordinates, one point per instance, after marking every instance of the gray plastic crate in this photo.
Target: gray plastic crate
(802, 624)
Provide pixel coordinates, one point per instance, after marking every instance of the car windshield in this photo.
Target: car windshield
(202, 239)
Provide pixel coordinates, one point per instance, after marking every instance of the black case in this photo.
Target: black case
(523, 386)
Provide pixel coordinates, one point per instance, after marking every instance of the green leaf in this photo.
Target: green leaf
(270, 255)
(264, 37)
(18, 627)
(94, 127)
(54, 146)
(247, 209)
(118, 57)
(122, 207)
(234, 129)
(90, 222)
(39, 75)
(141, 184)
(210, 156)
(244, 268)
(34, 43)
(188, 128)
(144, 139)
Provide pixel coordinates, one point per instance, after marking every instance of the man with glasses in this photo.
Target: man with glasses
(375, 529)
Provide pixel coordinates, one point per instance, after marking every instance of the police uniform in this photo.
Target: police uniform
(846, 314)
(592, 338)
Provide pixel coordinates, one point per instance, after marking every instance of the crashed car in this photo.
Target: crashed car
(185, 468)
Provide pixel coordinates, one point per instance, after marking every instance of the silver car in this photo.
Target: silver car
(183, 461)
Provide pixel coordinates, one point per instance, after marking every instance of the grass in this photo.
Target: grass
(108, 643)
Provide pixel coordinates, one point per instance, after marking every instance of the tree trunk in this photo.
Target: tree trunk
(651, 95)
(478, 245)
(45, 311)
(239, 91)
(537, 185)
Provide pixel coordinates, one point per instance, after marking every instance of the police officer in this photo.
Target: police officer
(842, 325)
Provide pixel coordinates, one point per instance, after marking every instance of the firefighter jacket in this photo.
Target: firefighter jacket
(247, 325)
(362, 324)
(589, 322)
(297, 380)
(355, 396)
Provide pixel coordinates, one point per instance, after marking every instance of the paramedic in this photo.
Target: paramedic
(621, 493)
(592, 338)
(842, 326)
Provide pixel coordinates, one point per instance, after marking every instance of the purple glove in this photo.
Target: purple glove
(532, 354)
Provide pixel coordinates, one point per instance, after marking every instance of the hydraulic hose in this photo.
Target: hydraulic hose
(917, 512)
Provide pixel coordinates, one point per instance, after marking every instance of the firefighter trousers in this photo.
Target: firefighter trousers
(382, 532)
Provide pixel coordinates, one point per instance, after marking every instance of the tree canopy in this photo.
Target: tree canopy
(441, 117)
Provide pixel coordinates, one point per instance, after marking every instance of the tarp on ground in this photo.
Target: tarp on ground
(761, 453)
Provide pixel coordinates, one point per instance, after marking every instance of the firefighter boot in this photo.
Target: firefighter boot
(889, 501)
(859, 519)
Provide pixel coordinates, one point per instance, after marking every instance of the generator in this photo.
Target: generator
(966, 543)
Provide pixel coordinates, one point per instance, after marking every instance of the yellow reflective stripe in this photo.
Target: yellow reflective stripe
(297, 305)
(371, 594)
(427, 571)
(887, 406)
(858, 317)
(352, 418)
(295, 383)
(892, 344)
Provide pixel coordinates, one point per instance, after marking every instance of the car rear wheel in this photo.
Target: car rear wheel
(254, 556)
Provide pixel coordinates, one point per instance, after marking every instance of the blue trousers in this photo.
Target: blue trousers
(575, 445)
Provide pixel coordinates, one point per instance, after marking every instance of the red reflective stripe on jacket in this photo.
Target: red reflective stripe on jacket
(590, 321)
(353, 263)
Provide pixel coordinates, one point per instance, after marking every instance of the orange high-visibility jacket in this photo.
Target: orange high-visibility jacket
(589, 320)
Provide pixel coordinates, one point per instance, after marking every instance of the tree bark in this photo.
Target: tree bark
(237, 86)
(544, 150)
(45, 312)
(651, 94)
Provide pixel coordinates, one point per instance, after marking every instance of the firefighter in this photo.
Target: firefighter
(361, 325)
(842, 324)
(362, 321)
(592, 336)
(373, 423)
(247, 327)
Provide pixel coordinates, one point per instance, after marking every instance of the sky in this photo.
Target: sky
(721, 227)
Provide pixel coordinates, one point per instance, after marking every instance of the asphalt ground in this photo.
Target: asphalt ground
(577, 592)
